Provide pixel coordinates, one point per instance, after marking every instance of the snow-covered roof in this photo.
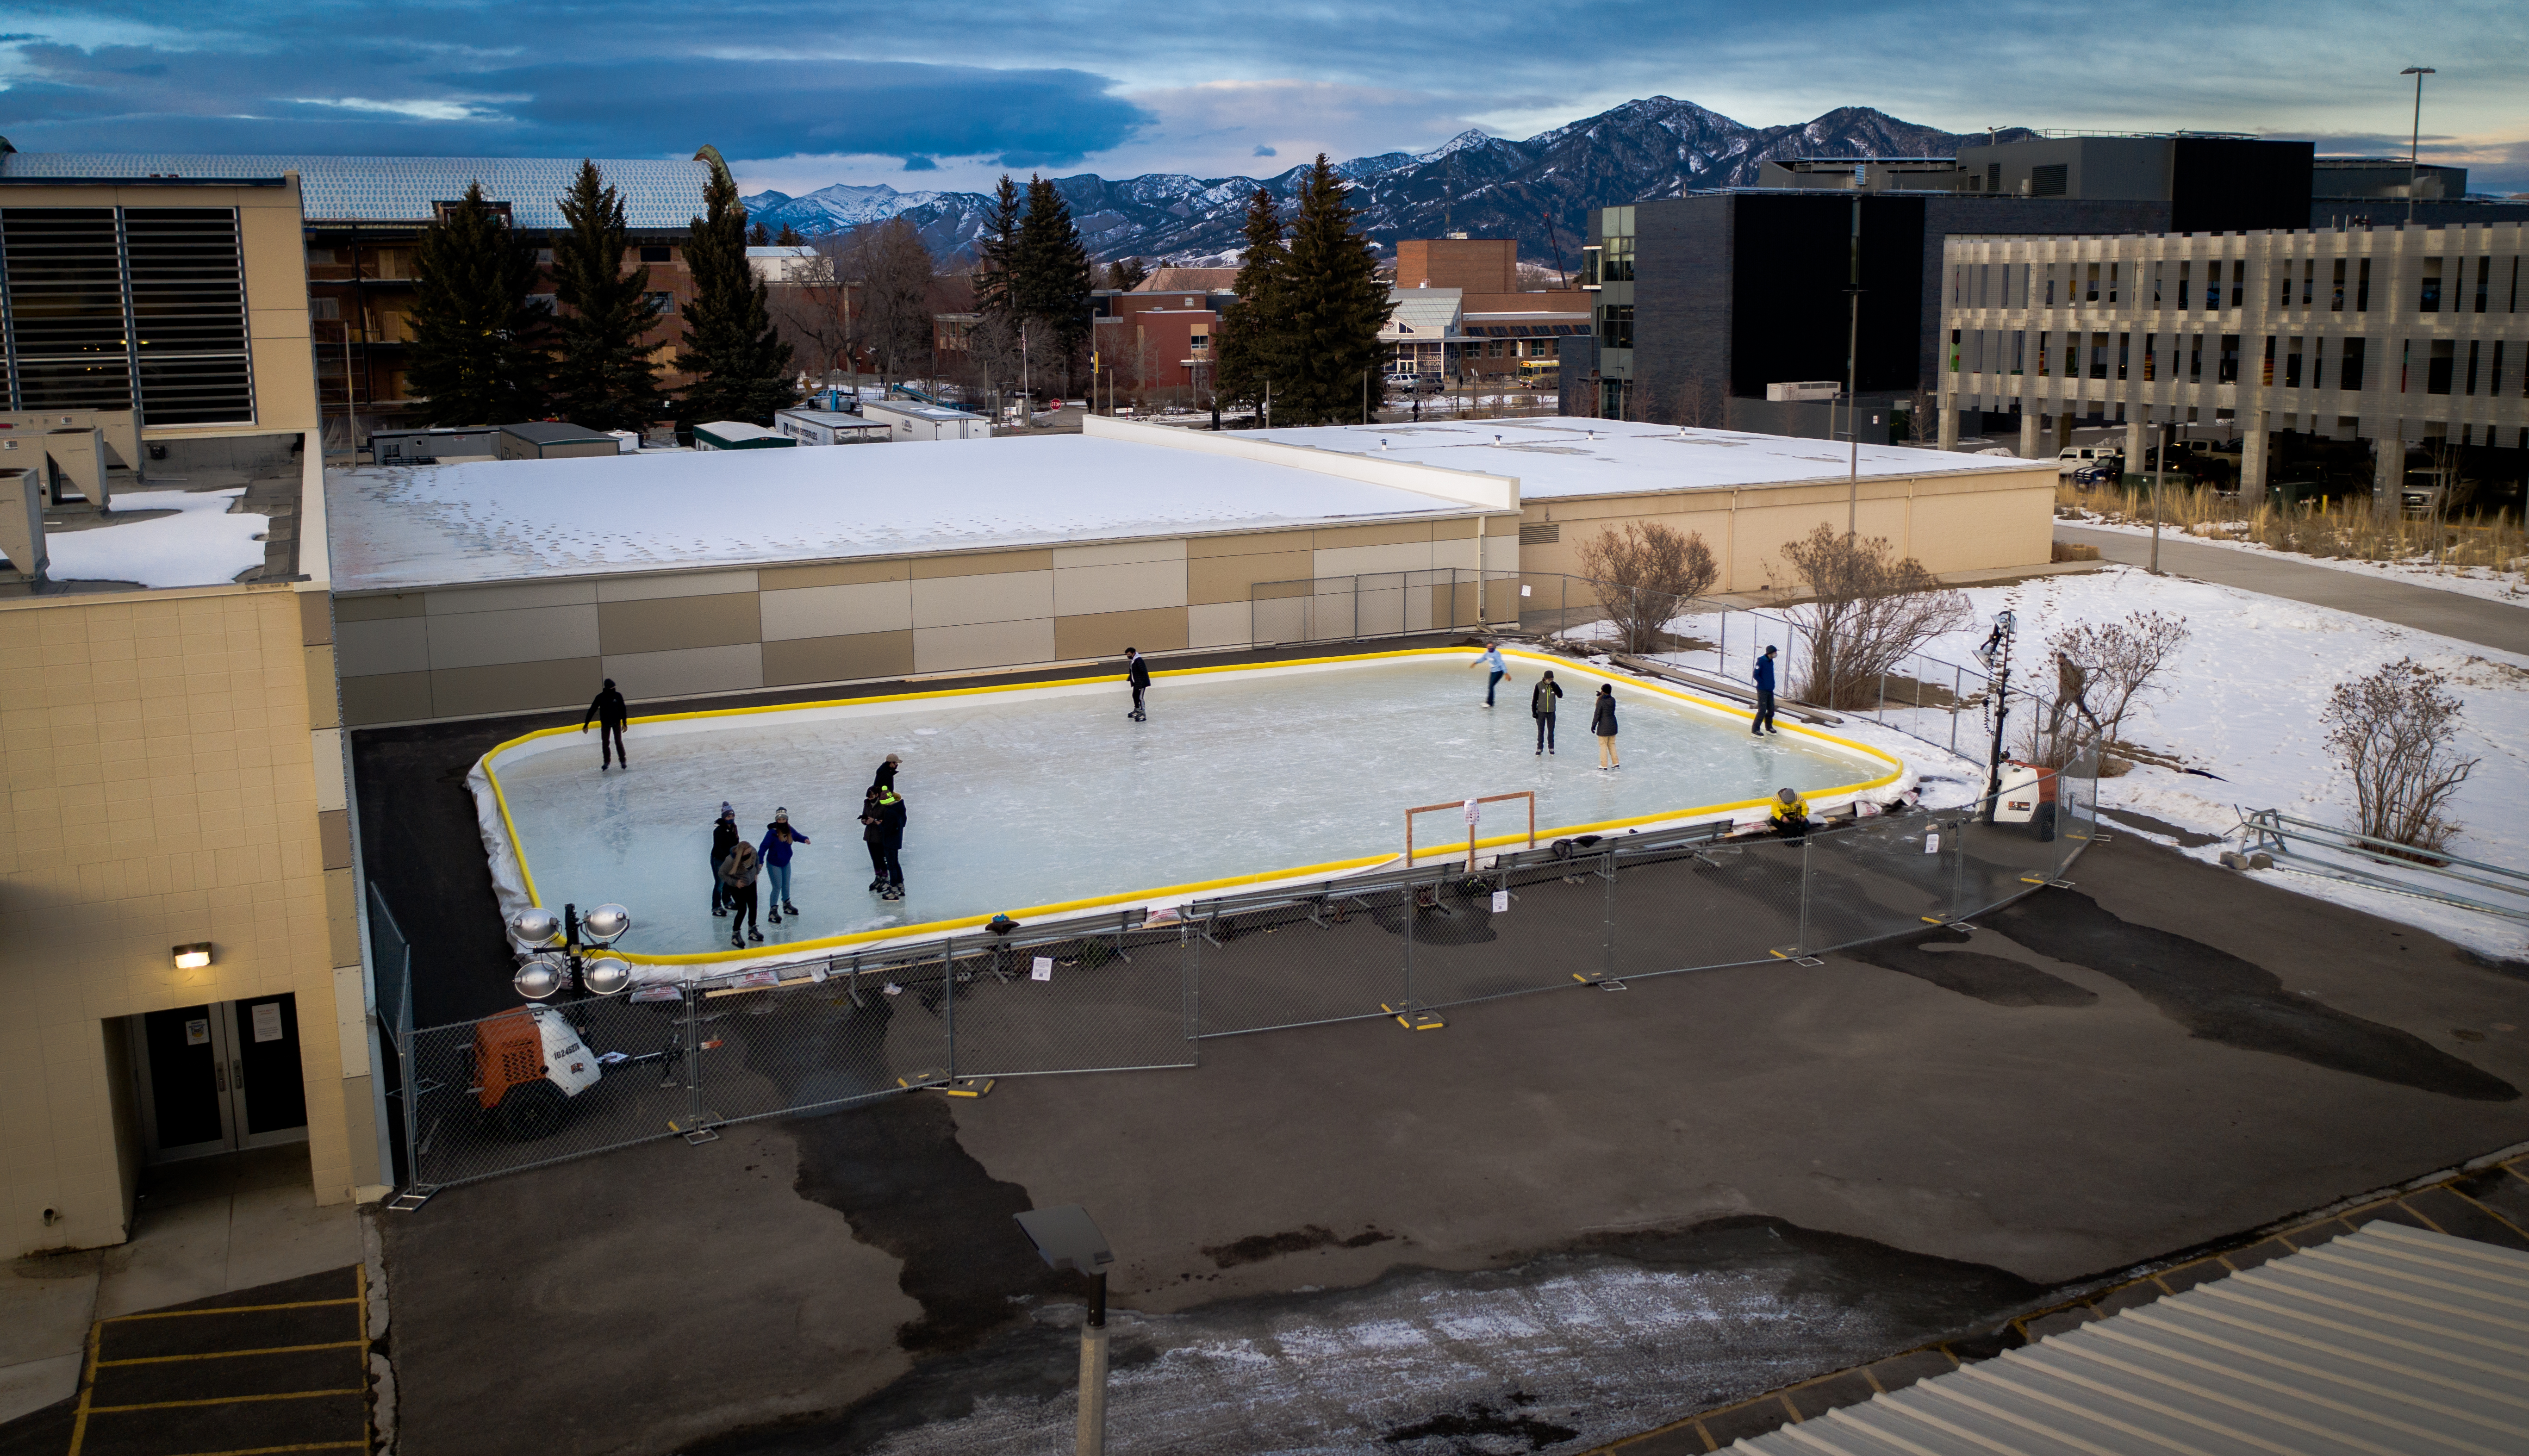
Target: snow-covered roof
(1565, 456)
(656, 194)
(403, 528)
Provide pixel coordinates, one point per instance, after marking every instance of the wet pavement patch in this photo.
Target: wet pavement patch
(1488, 1424)
(1259, 1247)
(2186, 839)
(2220, 998)
(1990, 979)
(894, 1169)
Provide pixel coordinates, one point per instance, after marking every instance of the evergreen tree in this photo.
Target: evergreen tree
(1051, 279)
(1324, 350)
(1127, 274)
(603, 375)
(476, 355)
(740, 366)
(789, 237)
(996, 248)
(759, 235)
(1243, 343)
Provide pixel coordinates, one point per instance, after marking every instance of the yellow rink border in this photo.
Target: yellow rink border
(1327, 869)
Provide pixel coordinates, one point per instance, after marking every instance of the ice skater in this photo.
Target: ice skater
(723, 839)
(1540, 704)
(885, 815)
(775, 852)
(607, 712)
(738, 873)
(1137, 672)
(1498, 672)
(1765, 675)
(884, 778)
(1603, 722)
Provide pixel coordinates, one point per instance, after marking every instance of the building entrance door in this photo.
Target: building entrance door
(219, 1077)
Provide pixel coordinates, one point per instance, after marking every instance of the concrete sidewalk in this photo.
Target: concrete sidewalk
(2448, 613)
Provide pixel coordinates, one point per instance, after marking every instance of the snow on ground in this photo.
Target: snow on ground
(2472, 582)
(2242, 701)
(203, 543)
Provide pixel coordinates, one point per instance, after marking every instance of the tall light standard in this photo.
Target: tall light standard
(1066, 1237)
(1853, 359)
(555, 947)
(2415, 142)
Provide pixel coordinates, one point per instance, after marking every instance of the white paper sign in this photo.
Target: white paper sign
(197, 1032)
(1474, 811)
(267, 1022)
(1522, 588)
(1501, 901)
(1931, 843)
(1041, 968)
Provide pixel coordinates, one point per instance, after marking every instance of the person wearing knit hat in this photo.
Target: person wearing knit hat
(723, 839)
(778, 838)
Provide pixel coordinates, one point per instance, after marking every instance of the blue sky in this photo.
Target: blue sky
(949, 94)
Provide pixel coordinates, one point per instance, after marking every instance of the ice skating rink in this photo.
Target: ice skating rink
(1039, 796)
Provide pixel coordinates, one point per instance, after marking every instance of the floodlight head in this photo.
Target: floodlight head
(603, 924)
(535, 926)
(606, 975)
(1066, 1237)
(2419, 70)
(538, 979)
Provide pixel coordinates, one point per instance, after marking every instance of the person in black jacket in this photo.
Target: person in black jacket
(1603, 722)
(607, 712)
(723, 839)
(1138, 673)
(1540, 704)
(884, 815)
(884, 778)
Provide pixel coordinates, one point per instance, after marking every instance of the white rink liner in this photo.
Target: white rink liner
(1163, 802)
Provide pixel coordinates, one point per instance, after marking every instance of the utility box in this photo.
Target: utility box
(551, 440)
(78, 460)
(735, 434)
(121, 428)
(1804, 389)
(430, 446)
(22, 521)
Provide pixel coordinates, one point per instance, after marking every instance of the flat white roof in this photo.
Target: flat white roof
(919, 410)
(401, 528)
(1565, 457)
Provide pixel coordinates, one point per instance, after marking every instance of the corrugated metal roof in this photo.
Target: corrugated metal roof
(2389, 1341)
(656, 194)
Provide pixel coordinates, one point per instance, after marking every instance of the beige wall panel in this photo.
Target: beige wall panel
(981, 564)
(379, 608)
(1460, 553)
(841, 659)
(1230, 578)
(1501, 550)
(1249, 543)
(315, 617)
(1132, 587)
(1119, 554)
(482, 639)
(1988, 529)
(1352, 561)
(1396, 534)
(681, 584)
(1451, 530)
(1221, 624)
(284, 389)
(966, 601)
(997, 644)
(686, 671)
(456, 601)
(513, 687)
(279, 327)
(394, 644)
(671, 623)
(395, 697)
(836, 574)
(842, 609)
(323, 695)
(1108, 633)
(334, 833)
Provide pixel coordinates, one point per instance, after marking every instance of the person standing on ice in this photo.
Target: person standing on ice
(778, 836)
(1603, 722)
(738, 871)
(885, 817)
(1137, 672)
(1499, 670)
(1764, 723)
(607, 712)
(1540, 704)
(723, 839)
(886, 775)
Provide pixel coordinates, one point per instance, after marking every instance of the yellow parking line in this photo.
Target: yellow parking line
(231, 1354)
(226, 1400)
(303, 1304)
(361, 1444)
(87, 1388)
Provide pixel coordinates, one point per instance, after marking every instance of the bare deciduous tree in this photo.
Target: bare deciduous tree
(2392, 730)
(888, 271)
(1645, 573)
(1868, 611)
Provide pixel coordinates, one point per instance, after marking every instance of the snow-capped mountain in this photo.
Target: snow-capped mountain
(1540, 191)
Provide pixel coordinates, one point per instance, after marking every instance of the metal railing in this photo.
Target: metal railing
(2384, 864)
(1129, 991)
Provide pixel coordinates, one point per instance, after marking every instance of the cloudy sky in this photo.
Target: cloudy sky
(805, 92)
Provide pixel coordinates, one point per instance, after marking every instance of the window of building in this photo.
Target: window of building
(2158, 268)
(2195, 360)
(2125, 345)
(1616, 260)
(2239, 282)
(2049, 181)
(2308, 280)
(2437, 370)
(665, 303)
(2291, 363)
(2362, 288)
(2484, 280)
(2050, 285)
(2150, 357)
(96, 294)
(2336, 301)
(327, 310)
(652, 253)
(2230, 360)
(2494, 371)
(2266, 366)
(2473, 348)
(2430, 301)
(1616, 325)
(2045, 353)
(2348, 367)
(2090, 289)
(2098, 356)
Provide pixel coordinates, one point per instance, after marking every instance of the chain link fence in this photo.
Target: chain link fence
(1128, 991)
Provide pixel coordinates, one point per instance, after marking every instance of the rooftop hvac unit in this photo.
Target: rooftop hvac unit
(1805, 389)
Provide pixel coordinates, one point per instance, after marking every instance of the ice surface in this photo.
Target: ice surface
(203, 543)
(1039, 796)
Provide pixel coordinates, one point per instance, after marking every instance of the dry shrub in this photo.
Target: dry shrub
(2393, 732)
(1645, 573)
(1869, 609)
(2101, 668)
(2347, 529)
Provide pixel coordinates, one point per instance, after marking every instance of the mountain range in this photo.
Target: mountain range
(1540, 191)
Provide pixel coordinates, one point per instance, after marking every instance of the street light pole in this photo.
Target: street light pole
(1066, 1237)
(1852, 362)
(2415, 140)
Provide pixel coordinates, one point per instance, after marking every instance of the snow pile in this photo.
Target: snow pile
(203, 543)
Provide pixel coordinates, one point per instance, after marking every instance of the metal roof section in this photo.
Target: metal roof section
(2389, 1341)
(1425, 315)
(656, 194)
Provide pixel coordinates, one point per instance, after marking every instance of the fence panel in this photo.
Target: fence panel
(1883, 876)
(482, 1105)
(856, 1035)
(1466, 951)
(1684, 907)
(1113, 1002)
(1331, 957)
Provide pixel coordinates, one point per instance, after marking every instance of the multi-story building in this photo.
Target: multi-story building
(2296, 343)
(1462, 314)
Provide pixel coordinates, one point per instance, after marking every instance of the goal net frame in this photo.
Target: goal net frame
(1529, 794)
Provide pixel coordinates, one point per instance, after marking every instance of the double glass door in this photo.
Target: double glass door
(220, 1077)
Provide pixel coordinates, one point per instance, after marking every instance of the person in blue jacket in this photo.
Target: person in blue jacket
(1496, 669)
(1764, 723)
(778, 836)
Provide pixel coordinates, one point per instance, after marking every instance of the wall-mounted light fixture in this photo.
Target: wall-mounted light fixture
(195, 956)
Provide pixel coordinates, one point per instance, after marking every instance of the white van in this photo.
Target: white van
(2081, 457)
